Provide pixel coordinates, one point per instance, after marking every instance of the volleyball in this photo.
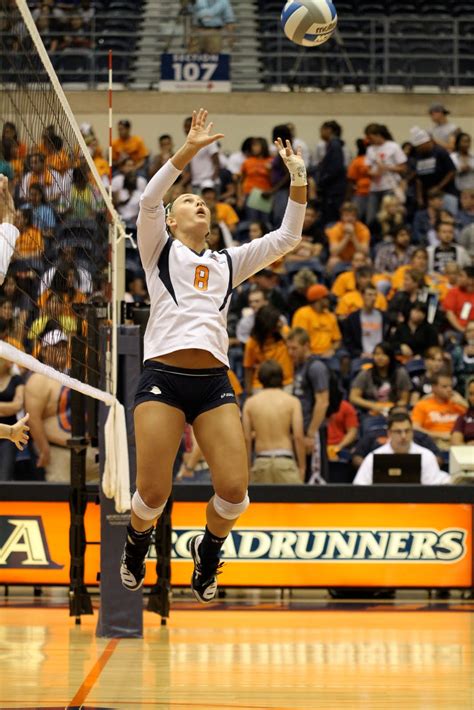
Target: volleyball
(309, 22)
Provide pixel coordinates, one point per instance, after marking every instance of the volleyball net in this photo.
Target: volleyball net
(58, 250)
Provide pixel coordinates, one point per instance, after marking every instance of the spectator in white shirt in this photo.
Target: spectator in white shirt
(400, 441)
(386, 161)
(463, 159)
(442, 130)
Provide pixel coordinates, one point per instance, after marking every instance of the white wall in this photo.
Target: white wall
(239, 115)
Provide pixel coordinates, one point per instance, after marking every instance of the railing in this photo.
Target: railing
(367, 53)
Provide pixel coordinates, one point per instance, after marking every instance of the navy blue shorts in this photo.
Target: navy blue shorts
(191, 391)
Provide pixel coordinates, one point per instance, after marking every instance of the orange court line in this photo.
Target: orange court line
(91, 679)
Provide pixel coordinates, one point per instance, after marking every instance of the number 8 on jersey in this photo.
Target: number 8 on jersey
(201, 278)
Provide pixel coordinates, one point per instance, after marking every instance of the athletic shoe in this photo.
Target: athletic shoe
(204, 587)
(132, 566)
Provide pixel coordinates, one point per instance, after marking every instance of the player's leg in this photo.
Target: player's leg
(158, 431)
(220, 437)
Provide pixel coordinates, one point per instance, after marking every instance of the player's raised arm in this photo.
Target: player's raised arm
(256, 255)
(151, 223)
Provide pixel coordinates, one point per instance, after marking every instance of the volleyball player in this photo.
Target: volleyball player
(185, 373)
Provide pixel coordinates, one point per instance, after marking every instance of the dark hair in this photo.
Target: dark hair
(412, 148)
(281, 131)
(459, 137)
(361, 146)
(266, 325)
(221, 243)
(27, 214)
(469, 271)
(419, 306)
(270, 374)
(79, 178)
(334, 127)
(378, 129)
(245, 147)
(3, 328)
(164, 136)
(401, 228)
(397, 418)
(130, 181)
(39, 188)
(388, 350)
(264, 146)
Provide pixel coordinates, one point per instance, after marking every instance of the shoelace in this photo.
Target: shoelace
(215, 573)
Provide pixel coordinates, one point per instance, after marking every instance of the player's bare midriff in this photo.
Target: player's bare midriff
(191, 358)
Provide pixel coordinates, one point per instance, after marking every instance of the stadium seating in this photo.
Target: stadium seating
(368, 30)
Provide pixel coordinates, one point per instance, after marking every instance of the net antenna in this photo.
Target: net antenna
(66, 254)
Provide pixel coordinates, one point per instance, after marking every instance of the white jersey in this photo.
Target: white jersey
(190, 292)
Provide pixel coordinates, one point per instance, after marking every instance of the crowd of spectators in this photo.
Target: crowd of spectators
(380, 291)
(58, 264)
(376, 302)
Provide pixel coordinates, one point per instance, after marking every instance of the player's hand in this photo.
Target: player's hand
(199, 134)
(7, 208)
(294, 162)
(19, 434)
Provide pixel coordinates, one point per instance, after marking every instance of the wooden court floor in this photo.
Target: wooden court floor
(385, 658)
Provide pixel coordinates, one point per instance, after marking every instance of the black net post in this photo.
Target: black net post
(160, 593)
(79, 599)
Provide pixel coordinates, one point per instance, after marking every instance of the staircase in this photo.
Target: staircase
(164, 28)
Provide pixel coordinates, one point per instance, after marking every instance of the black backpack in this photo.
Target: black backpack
(336, 394)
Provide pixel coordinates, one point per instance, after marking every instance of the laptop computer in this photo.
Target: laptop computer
(397, 468)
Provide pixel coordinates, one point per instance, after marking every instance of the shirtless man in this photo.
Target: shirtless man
(273, 422)
(49, 405)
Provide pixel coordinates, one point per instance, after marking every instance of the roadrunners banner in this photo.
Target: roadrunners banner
(275, 544)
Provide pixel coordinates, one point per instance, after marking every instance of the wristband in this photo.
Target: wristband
(296, 167)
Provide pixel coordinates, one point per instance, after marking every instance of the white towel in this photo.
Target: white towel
(8, 236)
(116, 478)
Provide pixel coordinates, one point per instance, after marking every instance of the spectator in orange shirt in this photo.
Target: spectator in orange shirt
(56, 157)
(320, 324)
(347, 237)
(128, 146)
(459, 303)
(359, 176)
(255, 170)
(220, 211)
(346, 281)
(436, 414)
(30, 242)
(419, 262)
(266, 343)
(100, 162)
(353, 300)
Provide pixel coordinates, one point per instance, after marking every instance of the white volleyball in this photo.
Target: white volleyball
(309, 22)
